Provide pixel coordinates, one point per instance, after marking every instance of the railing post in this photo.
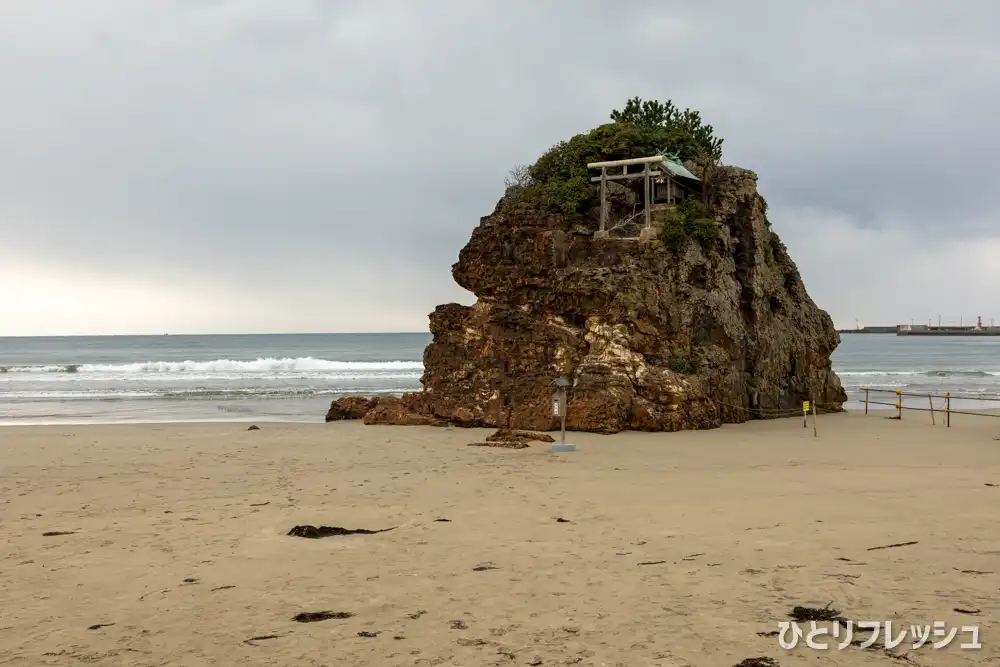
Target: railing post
(947, 409)
(899, 404)
(813, 405)
(930, 400)
(866, 400)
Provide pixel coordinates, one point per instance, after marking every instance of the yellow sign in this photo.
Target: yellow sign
(805, 406)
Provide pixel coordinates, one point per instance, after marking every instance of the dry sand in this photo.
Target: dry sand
(179, 543)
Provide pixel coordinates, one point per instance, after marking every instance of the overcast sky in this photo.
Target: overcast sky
(290, 165)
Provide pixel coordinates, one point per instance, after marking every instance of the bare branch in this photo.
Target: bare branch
(519, 177)
(627, 221)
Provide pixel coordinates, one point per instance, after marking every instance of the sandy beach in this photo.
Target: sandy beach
(672, 549)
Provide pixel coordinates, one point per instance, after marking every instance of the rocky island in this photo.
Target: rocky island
(656, 287)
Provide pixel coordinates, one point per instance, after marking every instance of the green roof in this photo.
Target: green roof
(674, 166)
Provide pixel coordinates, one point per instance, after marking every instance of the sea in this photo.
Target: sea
(293, 377)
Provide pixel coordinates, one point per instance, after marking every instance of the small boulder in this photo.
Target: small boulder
(506, 444)
(518, 435)
(350, 407)
(393, 410)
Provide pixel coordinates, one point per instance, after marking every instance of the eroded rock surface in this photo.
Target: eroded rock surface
(652, 339)
(350, 407)
(399, 411)
(516, 435)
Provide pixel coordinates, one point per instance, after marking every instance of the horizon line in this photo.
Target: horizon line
(245, 333)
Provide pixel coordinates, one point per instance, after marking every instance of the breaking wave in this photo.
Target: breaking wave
(940, 373)
(873, 373)
(188, 394)
(262, 365)
(963, 384)
(964, 374)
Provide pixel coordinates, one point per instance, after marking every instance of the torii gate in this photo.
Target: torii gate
(603, 179)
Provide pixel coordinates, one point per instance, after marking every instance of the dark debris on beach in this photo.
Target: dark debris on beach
(316, 616)
(314, 532)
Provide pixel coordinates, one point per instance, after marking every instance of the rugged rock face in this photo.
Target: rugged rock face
(399, 411)
(653, 339)
(350, 407)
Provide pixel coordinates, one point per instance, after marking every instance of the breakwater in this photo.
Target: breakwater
(924, 330)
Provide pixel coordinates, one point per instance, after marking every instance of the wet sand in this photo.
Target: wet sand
(674, 549)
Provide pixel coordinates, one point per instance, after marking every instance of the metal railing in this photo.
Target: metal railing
(946, 408)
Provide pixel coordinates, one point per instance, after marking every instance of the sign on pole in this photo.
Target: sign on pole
(559, 403)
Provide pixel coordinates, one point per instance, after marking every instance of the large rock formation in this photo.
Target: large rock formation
(653, 338)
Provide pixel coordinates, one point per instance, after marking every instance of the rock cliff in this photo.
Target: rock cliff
(652, 338)
(706, 323)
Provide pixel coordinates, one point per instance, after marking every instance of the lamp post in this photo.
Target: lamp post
(559, 401)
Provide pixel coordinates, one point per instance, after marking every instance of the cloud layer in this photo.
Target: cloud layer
(252, 165)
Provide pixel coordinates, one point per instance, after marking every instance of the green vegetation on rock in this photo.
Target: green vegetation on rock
(558, 182)
(688, 221)
(681, 365)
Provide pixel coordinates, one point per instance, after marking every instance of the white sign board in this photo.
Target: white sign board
(555, 407)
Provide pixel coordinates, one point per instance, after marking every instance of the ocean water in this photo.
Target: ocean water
(293, 377)
(288, 377)
(968, 367)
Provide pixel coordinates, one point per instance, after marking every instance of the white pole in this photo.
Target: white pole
(562, 396)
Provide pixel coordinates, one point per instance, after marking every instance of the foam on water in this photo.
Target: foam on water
(942, 373)
(117, 394)
(262, 365)
(294, 377)
(188, 378)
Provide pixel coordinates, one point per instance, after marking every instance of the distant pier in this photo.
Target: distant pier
(870, 330)
(925, 330)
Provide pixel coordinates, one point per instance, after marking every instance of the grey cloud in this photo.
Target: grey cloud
(284, 145)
